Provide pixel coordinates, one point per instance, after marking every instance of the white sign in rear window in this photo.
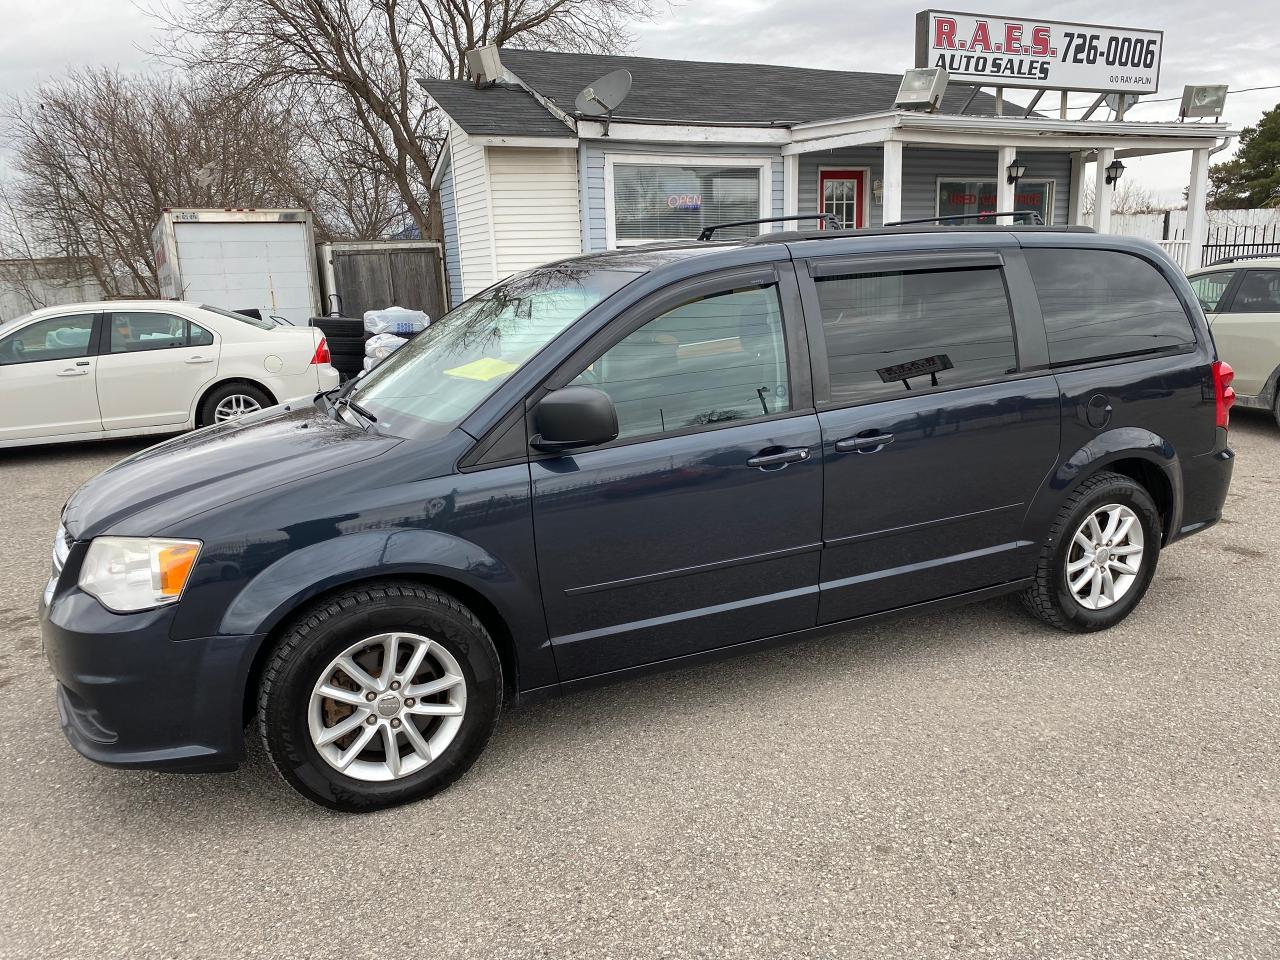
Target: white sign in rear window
(1048, 54)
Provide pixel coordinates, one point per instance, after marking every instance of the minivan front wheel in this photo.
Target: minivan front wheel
(379, 696)
(1100, 556)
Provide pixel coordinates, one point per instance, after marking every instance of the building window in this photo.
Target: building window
(675, 200)
(960, 197)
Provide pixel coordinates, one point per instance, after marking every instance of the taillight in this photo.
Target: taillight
(322, 352)
(1223, 394)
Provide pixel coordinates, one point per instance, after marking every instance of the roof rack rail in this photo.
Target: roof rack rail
(1273, 255)
(1036, 221)
(828, 218)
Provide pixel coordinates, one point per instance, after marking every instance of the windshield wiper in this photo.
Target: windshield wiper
(351, 404)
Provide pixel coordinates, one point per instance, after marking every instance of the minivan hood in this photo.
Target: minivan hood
(168, 483)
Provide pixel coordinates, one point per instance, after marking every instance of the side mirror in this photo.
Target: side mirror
(574, 417)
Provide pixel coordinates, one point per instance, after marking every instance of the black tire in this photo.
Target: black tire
(322, 633)
(1049, 598)
(222, 392)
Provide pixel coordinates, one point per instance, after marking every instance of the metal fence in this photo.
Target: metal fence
(1253, 241)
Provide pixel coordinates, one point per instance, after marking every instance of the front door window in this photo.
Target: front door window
(842, 193)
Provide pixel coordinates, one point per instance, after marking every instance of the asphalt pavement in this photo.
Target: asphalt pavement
(969, 783)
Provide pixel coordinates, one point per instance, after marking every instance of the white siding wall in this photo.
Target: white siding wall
(471, 197)
(534, 193)
(449, 214)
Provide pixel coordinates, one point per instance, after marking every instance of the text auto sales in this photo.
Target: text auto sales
(980, 47)
(1016, 53)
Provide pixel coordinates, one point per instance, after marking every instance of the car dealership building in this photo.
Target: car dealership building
(528, 175)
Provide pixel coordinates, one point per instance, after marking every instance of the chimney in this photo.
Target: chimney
(484, 65)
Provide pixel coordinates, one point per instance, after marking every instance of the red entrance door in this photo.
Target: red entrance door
(842, 193)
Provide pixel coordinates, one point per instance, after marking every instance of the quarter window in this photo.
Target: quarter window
(132, 332)
(1210, 287)
(892, 334)
(1259, 292)
(198, 336)
(1101, 303)
(716, 359)
(57, 338)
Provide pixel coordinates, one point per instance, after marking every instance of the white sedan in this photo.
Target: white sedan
(89, 371)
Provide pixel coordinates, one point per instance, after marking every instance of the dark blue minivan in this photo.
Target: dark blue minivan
(628, 461)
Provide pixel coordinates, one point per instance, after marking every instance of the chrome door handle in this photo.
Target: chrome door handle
(198, 359)
(781, 458)
(869, 444)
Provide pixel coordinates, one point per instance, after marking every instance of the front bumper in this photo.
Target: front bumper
(129, 696)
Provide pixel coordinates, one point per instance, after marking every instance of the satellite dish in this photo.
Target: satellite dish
(604, 96)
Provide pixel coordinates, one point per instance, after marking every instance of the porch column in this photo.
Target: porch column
(1004, 189)
(1101, 191)
(1079, 184)
(1197, 217)
(791, 188)
(891, 208)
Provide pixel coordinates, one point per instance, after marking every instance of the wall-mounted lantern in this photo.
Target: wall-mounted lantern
(877, 190)
(1115, 170)
(1016, 171)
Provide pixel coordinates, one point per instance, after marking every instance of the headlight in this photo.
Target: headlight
(133, 573)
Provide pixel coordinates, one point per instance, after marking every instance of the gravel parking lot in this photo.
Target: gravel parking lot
(963, 784)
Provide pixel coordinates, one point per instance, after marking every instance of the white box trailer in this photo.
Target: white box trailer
(239, 260)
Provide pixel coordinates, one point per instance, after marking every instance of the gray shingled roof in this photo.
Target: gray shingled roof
(686, 91)
(500, 110)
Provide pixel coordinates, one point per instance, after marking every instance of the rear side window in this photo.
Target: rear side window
(890, 334)
(1100, 303)
(132, 332)
(1259, 292)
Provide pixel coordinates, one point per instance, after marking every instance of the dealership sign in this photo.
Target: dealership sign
(1048, 54)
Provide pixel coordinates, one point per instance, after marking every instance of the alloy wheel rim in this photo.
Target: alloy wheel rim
(387, 706)
(236, 405)
(1105, 556)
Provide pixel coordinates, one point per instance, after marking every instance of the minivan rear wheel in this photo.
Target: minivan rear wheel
(378, 696)
(1099, 558)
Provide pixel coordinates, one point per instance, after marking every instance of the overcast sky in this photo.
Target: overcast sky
(1221, 42)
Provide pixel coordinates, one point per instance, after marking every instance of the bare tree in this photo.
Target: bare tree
(371, 53)
(1128, 198)
(97, 155)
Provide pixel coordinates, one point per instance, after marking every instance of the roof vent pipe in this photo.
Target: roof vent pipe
(484, 65)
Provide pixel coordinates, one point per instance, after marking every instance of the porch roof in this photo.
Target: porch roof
(1127, 137)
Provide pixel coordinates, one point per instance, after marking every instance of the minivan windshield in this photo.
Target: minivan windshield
(443, 373)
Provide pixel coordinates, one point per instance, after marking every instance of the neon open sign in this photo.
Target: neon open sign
(685, 201)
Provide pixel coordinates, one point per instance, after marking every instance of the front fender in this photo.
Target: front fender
(309, 571)
(1111, 446)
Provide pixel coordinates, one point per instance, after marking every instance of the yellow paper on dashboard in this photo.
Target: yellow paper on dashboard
(486, 368)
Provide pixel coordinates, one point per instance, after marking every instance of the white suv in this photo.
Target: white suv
(89, 371)
(1242, 301)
